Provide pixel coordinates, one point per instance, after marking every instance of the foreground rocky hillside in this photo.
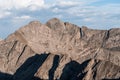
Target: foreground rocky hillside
(60, 50)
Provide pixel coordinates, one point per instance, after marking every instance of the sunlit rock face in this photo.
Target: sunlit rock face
(60, 50)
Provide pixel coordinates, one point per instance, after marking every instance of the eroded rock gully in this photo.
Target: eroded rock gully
(62, 51)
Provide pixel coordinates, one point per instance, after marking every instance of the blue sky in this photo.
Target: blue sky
(96, 14)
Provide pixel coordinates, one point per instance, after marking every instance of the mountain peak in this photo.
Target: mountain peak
(55, 24)
(52, 50)
(54, 20)
(34, 22)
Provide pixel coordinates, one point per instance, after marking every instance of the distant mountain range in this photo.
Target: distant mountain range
(60, 50)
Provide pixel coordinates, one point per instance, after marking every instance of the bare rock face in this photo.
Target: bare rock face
(60, 50)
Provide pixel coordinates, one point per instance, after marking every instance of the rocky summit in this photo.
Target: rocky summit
(60, 50)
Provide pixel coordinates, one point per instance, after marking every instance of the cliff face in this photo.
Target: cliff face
(60, 50)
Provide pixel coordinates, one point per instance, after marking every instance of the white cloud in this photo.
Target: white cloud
(18, 4)
(8, 6)
(88, 19)
(64, 3)
(56, 10)
(4, 14)
(24, 17)
(20, 19)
